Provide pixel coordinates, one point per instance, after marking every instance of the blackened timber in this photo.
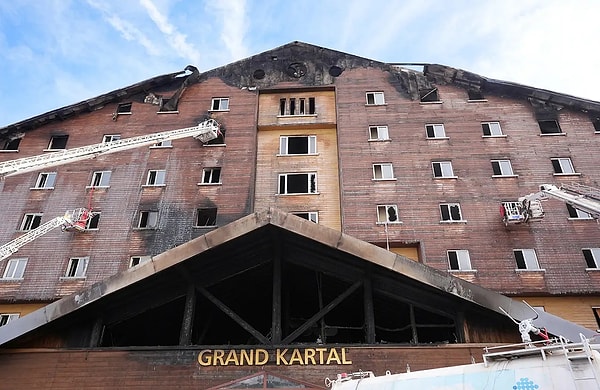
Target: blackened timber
(225, 309)
(96, 334)
(330, 306)
(185, 336)
(369, 311)
(276, 303)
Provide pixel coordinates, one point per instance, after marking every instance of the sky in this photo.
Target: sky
(54, 53)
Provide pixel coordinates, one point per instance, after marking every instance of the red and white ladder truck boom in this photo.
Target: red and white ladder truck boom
(529, 207)
(76, 220)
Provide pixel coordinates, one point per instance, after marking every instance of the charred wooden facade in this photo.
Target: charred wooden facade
(417, 163)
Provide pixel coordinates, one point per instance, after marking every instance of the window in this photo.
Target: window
(526, 259)
(100, 179)
(297, 183)
(549, 127)
(429, 95)
(124, 108)
(156, 178)
(220, 104)
(563, 166)
(596, 123)
(137, 260)
(475, 94)
(147, 219)
(378, 133)
(206, 217)
(451, 212)
(163, 144)
(578, 214)
(220, 140)
(435, 131)
(502, 168)
(211, 176)
(77, 267)
(303, 144)
(312, 216)
(5, 318)
(387, 214)
(45, 180)
(491, 129)
(442, 169)
(592, 257)
(383, 171)
(459, 260)
(58, 142)
(15, 268)
(92, 222)
(31, 221)
(111, 138)
(375, 98)
(297, 106)
(10, 144)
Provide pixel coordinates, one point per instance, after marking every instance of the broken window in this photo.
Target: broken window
(111, 138)
(211, 175)
(383, 171)
(137, 260)
(491, 129)
(100, 179)
(563, 166)
(5, 318)
(451, 212)
(435, 131)
(375, 98)
(429, 95)
(163, 144)
(502, 168)
(304, 144)
(15, 269)
(297, 106)
(10, 144)
(549, 127)
(592, 257)
(147, 219)
(124, 108)
(92, 222)
(378, 133)
(459, 260)
(577, 214)
(77, 267)
(156, 177)
(206, 217)
(58, 142)
(45, 180)
(526, 259)
(297, 183)
(220, 104)
(475, 94)
(387, 213)
(31, 221)
(442, 169)
(312, 216)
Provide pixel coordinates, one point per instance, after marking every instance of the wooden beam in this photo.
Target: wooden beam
(311, 321)
(185, 335)
(276, 304)
(369, 310)
(97, 331)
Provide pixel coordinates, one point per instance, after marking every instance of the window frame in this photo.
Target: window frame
(18, 269)
(124, 108)
(26, 225)
(435, 130)
(312, 216)
(63, 138)
(546, 132)
(284, 145)
(106, 138)
(494, 129)
(154, 176)
(93, 221)
(43, 179)
(10, 145)
(77, 272)
(559, 162)
(374, 98)
(424, 95)
(5, 318)
(164, 144)
(576, 214)
(216, 104)
(383, 210)
(594, 256)
(148, 216)
(311, 178)
(442, 175)
(462, 261)
(382, 133)
(207, 176)
(101, 175)
(203, 212)
(140, 260)
(500, 165)
(449, 212)
(527, 260)
(385, 171)
(307, 106)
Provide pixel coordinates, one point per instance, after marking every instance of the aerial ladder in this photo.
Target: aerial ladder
(529, 207)
(77, 220)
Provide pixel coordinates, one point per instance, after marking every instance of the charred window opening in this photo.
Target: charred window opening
(596, 123)
(549, 127)
(258, 74)
(58, 142)
(297, 183)
(137, 260)
(124, 108)
(11, 144)
(335, 71)
(387, 214)
(206, 217)
(147, 219)
(450, 212)
(475, 94)
(429, 95)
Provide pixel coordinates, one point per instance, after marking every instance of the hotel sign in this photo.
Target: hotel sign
(279, 356)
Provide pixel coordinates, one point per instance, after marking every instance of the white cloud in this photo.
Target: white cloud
(232, 20)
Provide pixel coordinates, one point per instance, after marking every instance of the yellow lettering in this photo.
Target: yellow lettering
(333, 356)
(321, 350)
(218, 357)
(246, 357)
(281, 357)
(257, 357)
(232, 358)
(296, 357)
(205, 357)
(344, 361)
(309, 354)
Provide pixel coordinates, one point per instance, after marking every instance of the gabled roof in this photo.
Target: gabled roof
(310, 65)
(245, 243)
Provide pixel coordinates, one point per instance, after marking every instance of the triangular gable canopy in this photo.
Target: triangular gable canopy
(272, 278)
(266, 380)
